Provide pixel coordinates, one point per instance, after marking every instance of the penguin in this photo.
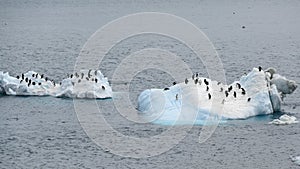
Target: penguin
(79, 80)
(95, 72)
(176, 96)
(18, 77)
(166, 88)
(22, 76)
(46, 79)
(36, 75)
(40, 83)
(89, 73)
(238, 85)
(259, 68)
(249, 99)
(53, 83)
(76, 74)
(218, 83)
(196, 74)
(33, 83)
(92, 79)
(196, 81)
(21, 81)
(186, 81)
(206, 82)
(230, 88)
(207, 88)
(29, 82)
(226, 93)
(71, 76)
(103, 88)
(32, 75)
(193, 76)
(73, 83)
(87, 78)
(209, 96)
(82, 74)
(221, 90)
(42, 76)
(243, 91)
(234, 94)
(60, 83)
(96, 80)
(26, 80)
(174, 83)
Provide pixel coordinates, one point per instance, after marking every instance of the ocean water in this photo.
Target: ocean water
(46, 36)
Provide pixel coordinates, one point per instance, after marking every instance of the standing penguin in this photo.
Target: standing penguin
(186, 81)
(209, 96)
(234, 94)
(243, 91)
(174, 83)
(230, 88)
(207, 88)
(259, 68)
(226, 93)
(196, 81)
(103, 88)
(249, 99)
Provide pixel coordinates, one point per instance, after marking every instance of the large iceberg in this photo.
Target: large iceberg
(84, 84)
(257, 93)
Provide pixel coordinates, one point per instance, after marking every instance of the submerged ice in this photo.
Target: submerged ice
(84, 84)
(257, 93)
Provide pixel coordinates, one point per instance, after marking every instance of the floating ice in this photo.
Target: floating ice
(85, 84)
(284, 119)
(188, 103)
(296, 159)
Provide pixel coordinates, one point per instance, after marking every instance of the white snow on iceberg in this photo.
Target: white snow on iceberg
(84, 84)
(257, 93)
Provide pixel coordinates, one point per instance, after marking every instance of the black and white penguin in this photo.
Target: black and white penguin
(243, 91)
(176, 96)
(186, 81)
(42, 76)
(82, 74)
(259, 68)
(33, 83)
(71, 76)
(207, 88)
(234, 94)
(22, 76)
(249, 99)
(103, 88)
(87, 78)
(229, 88)
(174, 83)
(79, 80)
(95, 72)
(238, 85)
(196, 81)
(89, 73)
(166, 88)
(36, 75)
(29, 82)
(18, 77)
(46, 79)
(193, 76)
(73, 83)
(76, 74)
(96, 80)
(221, 89)
(196, 74)
(209, 96)
(226, 93)
(33, 75)
(40, 84)
(26, 80)
(206, 82)
(218, 83)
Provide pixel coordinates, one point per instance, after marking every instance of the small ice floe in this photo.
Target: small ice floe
(284, 120)
(296, 160)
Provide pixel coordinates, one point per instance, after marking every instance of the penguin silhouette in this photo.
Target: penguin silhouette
(166, 88)
(196, 81)
(249, 99)
(186, 81)
(259, 68)
(226, 93)
(230, 88)
(103, 88)
(234, 94)
(243, 91)
(174, 83)
(209, 96)
(207, 88)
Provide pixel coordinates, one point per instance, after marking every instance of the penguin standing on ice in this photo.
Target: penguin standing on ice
(82, 74)
(226, 93)
(42, 76)
(230, 88)
(259, 68)
(238, 85)
(209, 96)
(103, 88)
(176, 96)
(22, 76)
(96, 80)
(249, 99)
(79, 80)
(234, 94)
(196, 81)
(243, 91)
(206, 82)
(186, 81)
(29, 82)
(18, 77)
(221, 90)
(174, 83)
(193, 76)
(207, 88)
(166, 88)
(26, 80)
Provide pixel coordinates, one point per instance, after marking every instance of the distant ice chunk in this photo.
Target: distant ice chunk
(284, 120)
(296, 160)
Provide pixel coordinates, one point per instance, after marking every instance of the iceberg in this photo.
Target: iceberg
(284, 120)
(197, 99)
(84, 84)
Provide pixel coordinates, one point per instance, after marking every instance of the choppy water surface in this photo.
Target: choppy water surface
(44, 36)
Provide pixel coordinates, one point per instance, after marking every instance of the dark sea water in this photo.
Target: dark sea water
(47, 36)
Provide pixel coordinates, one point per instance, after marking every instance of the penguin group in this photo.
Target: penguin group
(34, 79)
(90, 75)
